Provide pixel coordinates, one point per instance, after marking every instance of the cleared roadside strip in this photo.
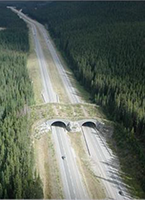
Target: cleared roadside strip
(73, 186)
(110, 191)
(75, 99)
(49, 95)
(94, 146)
(71, 91)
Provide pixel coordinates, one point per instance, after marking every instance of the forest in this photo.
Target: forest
(104, 45)
(18, 179)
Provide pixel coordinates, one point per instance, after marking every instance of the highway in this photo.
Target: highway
(71, 178)
(105, 164)
(73, 185)
(48, 93)
(106, 169)
(71, 91)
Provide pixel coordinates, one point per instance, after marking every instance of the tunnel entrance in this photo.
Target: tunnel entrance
(89, 124)
(59, 124)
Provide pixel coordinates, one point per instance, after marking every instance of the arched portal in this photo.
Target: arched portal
(89, 124)
(59, 124)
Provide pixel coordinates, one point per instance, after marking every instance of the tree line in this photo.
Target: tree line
(18, 179)
(104, 44)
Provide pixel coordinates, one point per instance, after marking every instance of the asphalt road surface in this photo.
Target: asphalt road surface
(106, 167)
(48, 93)
(72, 181)
(71, 91)
(99, 152)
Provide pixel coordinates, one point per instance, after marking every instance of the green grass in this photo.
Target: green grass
(34, 71)
(66, 111)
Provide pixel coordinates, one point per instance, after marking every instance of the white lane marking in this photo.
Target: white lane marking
(67, 164)
(77, 177)
(74, 97)
(101, 147)
(59, 157)
(47, 84)
(112, 177)
(101, 171)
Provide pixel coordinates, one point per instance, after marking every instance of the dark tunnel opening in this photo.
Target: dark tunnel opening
(59, 124)
(89, 124)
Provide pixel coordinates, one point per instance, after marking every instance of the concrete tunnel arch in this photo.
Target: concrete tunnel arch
(72, 126)
(58, 122)
(87, 122)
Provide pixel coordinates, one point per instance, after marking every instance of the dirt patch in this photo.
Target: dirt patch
(47, 167)
(94, 187)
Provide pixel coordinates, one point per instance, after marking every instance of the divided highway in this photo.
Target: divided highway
(71, 91)
(72, 181)
(99, 152)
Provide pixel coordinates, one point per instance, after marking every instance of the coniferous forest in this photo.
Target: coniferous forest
(104, 44)
(17, 176)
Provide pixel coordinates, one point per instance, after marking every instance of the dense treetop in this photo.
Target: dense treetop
(17, 177)
(104, 44)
